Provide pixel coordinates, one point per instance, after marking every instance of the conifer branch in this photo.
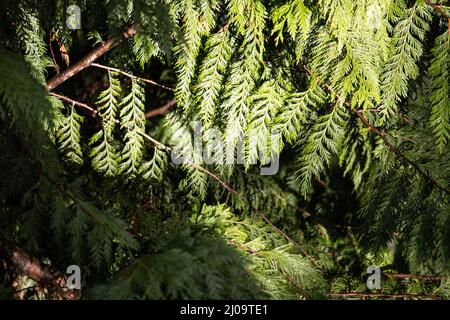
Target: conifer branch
(289, 239)
(87, 60)
(211, 174)
(380, 133)
(130, 75)
(196, 166)
(74, 102)
(42, 274)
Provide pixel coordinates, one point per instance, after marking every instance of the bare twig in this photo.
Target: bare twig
(155, 142)
(87, 60)
(383, 295)
(130, 75)
(52, 53)
(152, 140)
(217, 178)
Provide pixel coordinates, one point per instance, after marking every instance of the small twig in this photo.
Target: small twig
(217, 178)
(24, 289)
(155, 142)
(130, 75)
(313, 261)
(243, 247)
(152, 140)
(87, 60)
(161, 110)
(77, 103)
(295, 285)
(193, 164)
(383, 295)
(413, 276)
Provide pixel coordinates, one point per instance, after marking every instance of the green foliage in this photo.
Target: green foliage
(352, 97)
(320, 146)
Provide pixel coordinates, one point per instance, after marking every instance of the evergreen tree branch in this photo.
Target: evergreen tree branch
(200, 168)
(87, 60)
(130, 75)
(380, 133)
(196, 166)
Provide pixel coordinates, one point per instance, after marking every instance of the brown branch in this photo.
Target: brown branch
(161, 110)
(87, 60)
(289, 239)
(413, 276)
(383, 295)
(438, 8)
(130, 75)
(381, 134)
(397, 152)
(77, 103)
(193, 164)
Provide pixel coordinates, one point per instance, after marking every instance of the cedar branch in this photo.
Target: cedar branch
(383, 295)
